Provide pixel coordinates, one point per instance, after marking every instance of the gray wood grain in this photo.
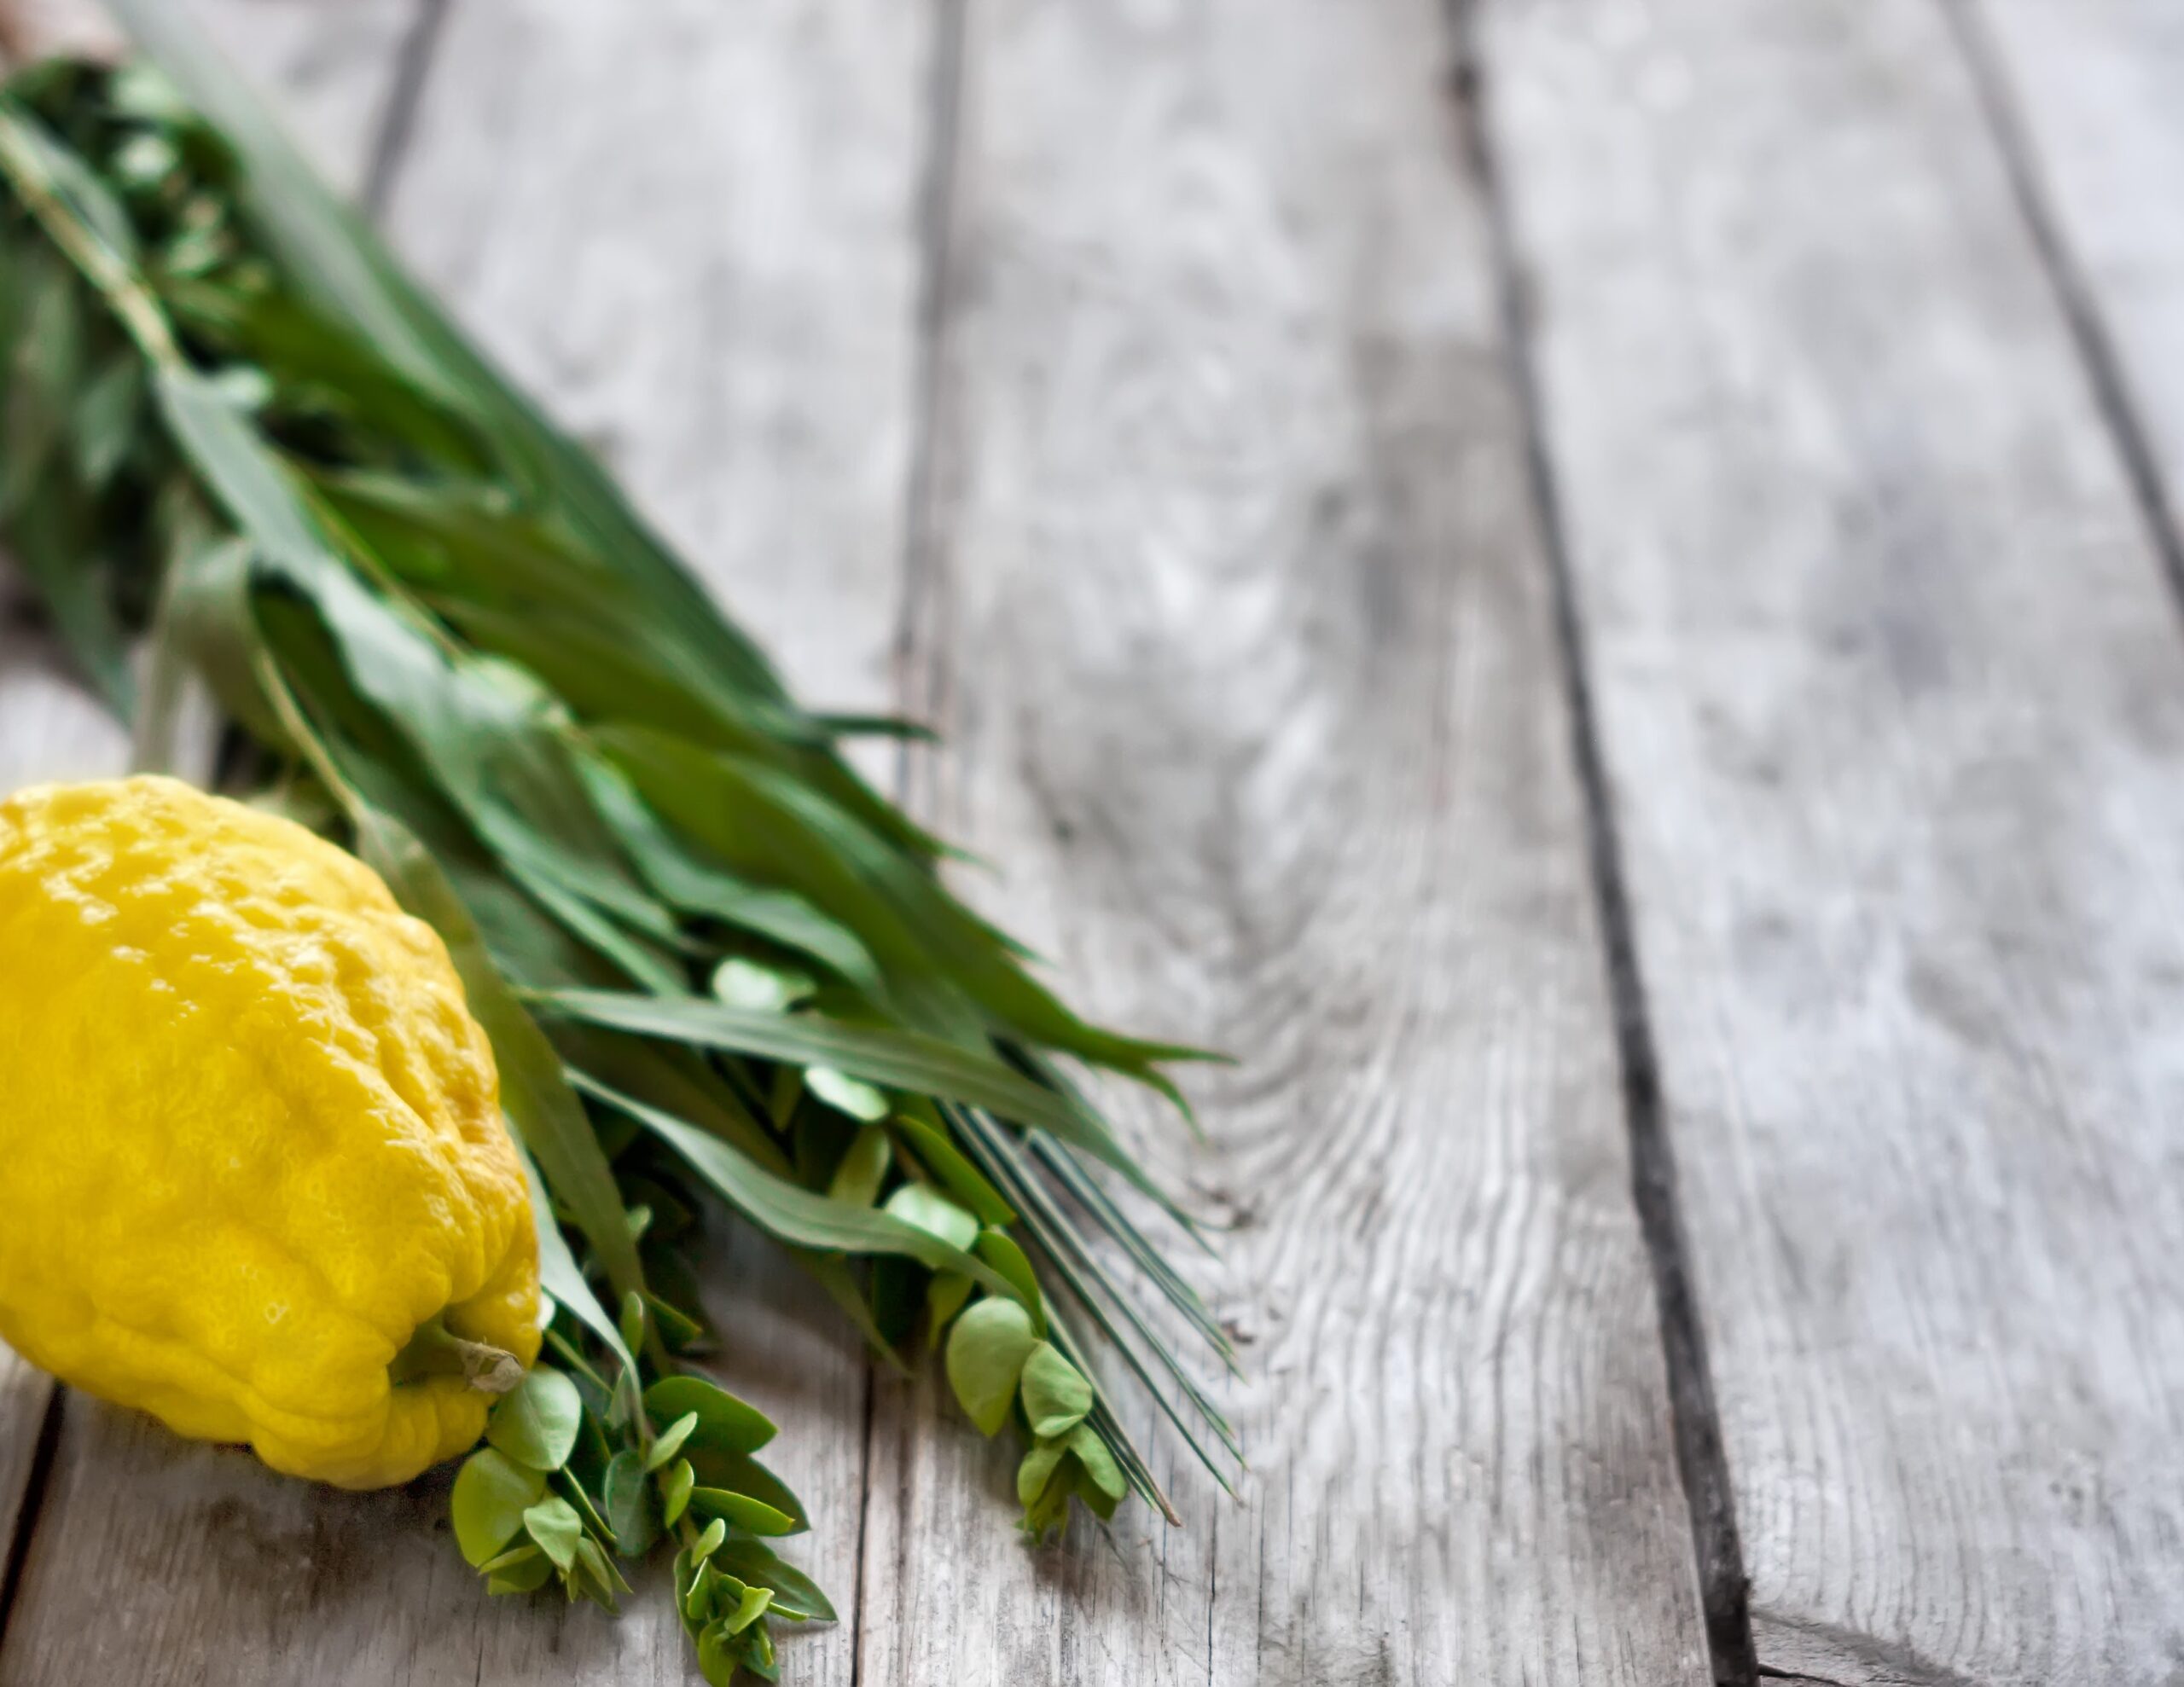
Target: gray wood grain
(690, 230)
(1235, 614)
(332, 66)
(1892, 704)
(50, 728)
(2096, 90)
(24, 1397)
(692, 233)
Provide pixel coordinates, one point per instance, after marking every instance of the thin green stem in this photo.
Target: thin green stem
(23, 145)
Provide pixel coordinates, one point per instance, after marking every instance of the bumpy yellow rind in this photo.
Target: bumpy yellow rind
(250, 1135)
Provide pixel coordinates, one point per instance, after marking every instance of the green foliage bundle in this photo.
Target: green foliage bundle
(712, 962)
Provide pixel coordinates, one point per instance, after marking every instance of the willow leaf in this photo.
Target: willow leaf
(905, 1060)
(760, 821)
(560, 1275)
(789, 1211)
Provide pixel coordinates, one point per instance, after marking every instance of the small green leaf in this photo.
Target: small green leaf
(1097, 1461)
(145, 160)
(104, 423)
(554, 1524)
(509, 1560)
(675, 1489)
(749, 1609)
(758, 1657)
(627, 1498)
(965, 1181)
(698, 1602)
(682, 1333)
(604, 1580)
(717, 1657)
(740, 1473)
(760, 989)
(788, 1210)
(491, 1493)
(852, 1096)
(999, 1249)
(1037, 1469)
(925, 1207)
(528, 1577)
(1056, 1396)
(670, 1441)
(725, 1423)
(986, 1353)
(1097, 1500)
(686, 1578)
(796, 1595)
(1046, 1513)
(536, 1424)
(742, 1511)
(863, 1168)
(707, 1544)
(943, 1298)
(572, 1490)
(632, 1321)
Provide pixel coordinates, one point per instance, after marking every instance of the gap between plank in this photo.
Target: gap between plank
(35, 1481)
(398, 124)
(419, 46)
(915, 694)
(1702, 1464)
(2074, 296)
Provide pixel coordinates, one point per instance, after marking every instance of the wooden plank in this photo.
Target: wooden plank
(2093, 91)
(1236, 615)
(50, 728)
(691, 231)
(692, 234)
(333, 65)
(1892, 708)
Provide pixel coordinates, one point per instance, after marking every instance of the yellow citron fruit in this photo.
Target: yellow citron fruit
(254, 1175)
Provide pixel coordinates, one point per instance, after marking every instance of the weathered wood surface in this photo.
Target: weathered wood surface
(1234, 612)
(1514, 1472)
(49, 727)
(692, 233)
(1892, 702)
(2095, 90)
(1191, 501)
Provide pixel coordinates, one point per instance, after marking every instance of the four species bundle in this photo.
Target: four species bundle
(712, 961)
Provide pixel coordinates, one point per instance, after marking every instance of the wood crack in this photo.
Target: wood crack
(420, 46)
(2088, 332)
(1702, 1463)
(917, 660)
(36, 1482)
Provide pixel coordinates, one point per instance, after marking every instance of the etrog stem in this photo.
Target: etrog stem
(433, 1352)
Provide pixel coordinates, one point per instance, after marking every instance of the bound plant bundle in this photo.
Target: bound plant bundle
(710, 961)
